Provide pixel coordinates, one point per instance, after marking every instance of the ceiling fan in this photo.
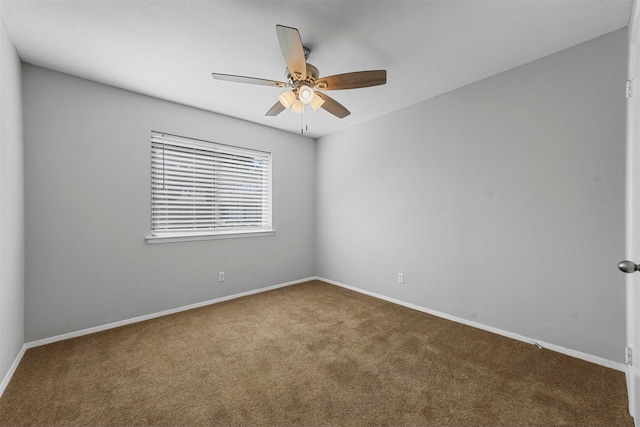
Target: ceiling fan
(303, 77)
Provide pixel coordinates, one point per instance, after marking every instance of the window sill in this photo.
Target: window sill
(174, 238)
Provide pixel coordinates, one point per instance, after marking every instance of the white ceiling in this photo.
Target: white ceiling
(167, 49)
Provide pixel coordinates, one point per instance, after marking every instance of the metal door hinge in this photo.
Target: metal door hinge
(629, 88)
(628, 356)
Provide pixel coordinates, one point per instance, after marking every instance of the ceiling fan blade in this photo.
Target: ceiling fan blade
(333, 106)
(292, 50)
(275, 110)
(249, 80)
(353, 80)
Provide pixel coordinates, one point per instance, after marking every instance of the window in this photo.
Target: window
(201, 189)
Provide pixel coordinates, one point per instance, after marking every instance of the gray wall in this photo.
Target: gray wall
(87, 168)
(11, 206)
(502, 202)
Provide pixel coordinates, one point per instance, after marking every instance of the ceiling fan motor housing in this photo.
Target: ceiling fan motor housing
(312, 75)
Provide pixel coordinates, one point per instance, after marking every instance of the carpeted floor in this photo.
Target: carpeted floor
(307, 355)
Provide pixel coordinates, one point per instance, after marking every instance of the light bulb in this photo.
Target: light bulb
(287, 98)
(306, 94)
(297, 107)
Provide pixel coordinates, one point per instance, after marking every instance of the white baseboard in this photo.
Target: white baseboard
(12, 369)
(100, 328)
(559, 349)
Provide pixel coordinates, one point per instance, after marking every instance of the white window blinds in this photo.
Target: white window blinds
(202, 188)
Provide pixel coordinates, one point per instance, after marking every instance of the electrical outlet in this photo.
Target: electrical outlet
(400, 277)
(221, 276)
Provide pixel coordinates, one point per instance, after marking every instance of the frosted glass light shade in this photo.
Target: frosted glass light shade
(306, 94)
(316, 102)
(297, 107)
(287, 98)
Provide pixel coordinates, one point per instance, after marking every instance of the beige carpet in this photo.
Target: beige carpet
(307, 355)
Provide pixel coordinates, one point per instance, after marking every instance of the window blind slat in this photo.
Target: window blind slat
(166, 151)
(172, 158)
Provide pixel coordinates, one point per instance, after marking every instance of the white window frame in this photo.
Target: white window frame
(175, 217)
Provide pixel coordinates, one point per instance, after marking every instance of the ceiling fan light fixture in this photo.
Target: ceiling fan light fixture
(316, 102)
(287, 98)
(306, 94)
(297, 107)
